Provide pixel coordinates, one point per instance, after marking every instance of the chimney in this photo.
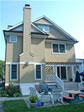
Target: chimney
(27, 29)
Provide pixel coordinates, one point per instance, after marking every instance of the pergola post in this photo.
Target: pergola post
(56, 70)
(73, 74)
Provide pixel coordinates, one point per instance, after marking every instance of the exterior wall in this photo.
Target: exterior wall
(69, 56)
(13, 50)
(42, 21)
(56, 34)
(81, 66)
(38, 49)
(27, 74)
(7, 71)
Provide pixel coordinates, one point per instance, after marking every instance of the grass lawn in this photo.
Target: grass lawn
(20, 106)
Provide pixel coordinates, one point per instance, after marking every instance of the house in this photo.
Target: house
(37, 51)
(81, 67)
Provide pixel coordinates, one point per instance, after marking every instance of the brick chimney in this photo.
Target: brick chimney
(27, 29)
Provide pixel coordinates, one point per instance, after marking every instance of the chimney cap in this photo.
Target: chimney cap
(27, 5)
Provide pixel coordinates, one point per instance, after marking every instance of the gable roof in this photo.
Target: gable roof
(57, 27)
(39, 30)
(13, 28)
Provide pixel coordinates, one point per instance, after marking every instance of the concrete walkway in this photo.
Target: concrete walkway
(1, 107)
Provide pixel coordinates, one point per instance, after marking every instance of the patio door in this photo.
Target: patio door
(62, 72)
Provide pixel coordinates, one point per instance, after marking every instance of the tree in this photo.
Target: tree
(1, 70)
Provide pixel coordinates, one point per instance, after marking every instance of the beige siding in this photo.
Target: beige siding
(42, 21)
(7, 72)
(69, 56)
(13, 50)
(26, 74)
(38, 49)
(56, 34)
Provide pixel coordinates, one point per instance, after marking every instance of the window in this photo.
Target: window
(44, 28)
(38, 72)
(62, 48)
(55, 48)
(13, 39)
(59, 48)
(13, 72)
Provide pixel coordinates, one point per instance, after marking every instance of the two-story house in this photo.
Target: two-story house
(37, 50)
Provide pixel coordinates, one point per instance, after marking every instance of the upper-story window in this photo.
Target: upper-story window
(13, 39)
(44, 27)
(59, 48)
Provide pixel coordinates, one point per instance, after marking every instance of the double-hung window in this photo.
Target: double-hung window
(38, 72)
(59, 48)
(62, 48)
(13, 39)
(55, 48)
(14, 72)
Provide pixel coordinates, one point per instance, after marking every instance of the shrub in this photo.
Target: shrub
(3, 93)
(17, 94)
(33, 98)
(12, 89)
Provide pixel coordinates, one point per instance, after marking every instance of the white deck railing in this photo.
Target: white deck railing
(60, 82)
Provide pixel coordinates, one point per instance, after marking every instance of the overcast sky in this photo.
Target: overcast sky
(68, 14)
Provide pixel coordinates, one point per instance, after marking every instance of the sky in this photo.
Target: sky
(68, 14)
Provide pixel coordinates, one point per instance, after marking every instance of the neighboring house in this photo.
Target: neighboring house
(81, 67)
(33, 48)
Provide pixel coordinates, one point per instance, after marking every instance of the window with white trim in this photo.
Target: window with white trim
(44, 27)
(59, 48)
(38, 72)
(13, 72)
(13, 39)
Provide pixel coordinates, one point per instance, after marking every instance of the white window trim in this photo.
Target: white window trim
(58, 48)
(11, 72)
(35, 71)
(13, 41)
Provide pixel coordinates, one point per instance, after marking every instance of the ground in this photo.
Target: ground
(20, 106)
